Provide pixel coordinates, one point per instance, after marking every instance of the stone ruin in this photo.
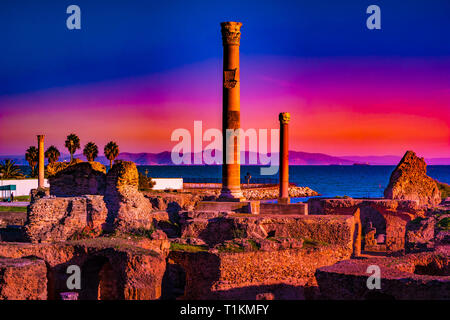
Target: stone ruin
(131, 245)
(384, 222)
(83, 196)
(409, 181)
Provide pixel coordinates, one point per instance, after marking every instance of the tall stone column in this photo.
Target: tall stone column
(41, 161)
(284, 118)
(231, 168)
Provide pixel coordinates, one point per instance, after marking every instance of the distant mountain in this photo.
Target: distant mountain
(375, 160)
(393, 160)
(295, 158)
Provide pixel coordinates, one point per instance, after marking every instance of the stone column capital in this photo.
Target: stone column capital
(284, 117)
(231, 34)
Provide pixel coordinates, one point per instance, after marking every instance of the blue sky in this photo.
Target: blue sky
(128, 38)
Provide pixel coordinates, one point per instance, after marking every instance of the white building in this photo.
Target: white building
(23, 187)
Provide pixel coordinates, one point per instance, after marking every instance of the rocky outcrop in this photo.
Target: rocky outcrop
(78, 179)
(128, 209)
(58, 219)
(409, 181)
(23, 279)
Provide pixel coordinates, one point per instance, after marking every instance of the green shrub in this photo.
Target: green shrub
(187, 247)
(145, 183)
(444, 189)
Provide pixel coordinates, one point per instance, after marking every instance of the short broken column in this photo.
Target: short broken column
(41, 161)
(284, 118)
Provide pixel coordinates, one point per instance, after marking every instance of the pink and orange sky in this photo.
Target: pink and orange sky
(338, 106)
(138, 70)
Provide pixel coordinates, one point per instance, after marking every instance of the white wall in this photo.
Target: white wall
(23, 187)
(168, 183)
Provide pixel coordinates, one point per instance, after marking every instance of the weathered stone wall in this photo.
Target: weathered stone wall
(137, 271)
(173, 202)
(260, 193)
(23, 279)
(413, 276)
(388, 217)
(273, 193)
(280, 274)
(283, 208)
(98, 202)
(128, 209)
(336, 230)
(79, 179)
(346, 206)
(57, 219)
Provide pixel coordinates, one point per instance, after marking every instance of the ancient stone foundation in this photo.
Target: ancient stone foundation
(338, 230)
(83, 196)
(111, 269)
(384, 222)
(58, 219)
(78, 179)
(413, 276)
(277, 274)
(23, 279)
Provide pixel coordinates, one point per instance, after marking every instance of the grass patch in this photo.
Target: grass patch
(307, 242)
(187, 247)
(21, 198)
(13, 209)
(230, 248)
(142, 232)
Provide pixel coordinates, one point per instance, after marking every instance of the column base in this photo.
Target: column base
(286, 200)
(231, 195)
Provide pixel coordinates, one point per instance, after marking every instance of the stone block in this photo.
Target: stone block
(23, 279)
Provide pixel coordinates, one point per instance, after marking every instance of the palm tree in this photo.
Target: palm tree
(90, 151)
(52, 154)
(72, 144)
(32, 156)
(9, 170)
(111, 152)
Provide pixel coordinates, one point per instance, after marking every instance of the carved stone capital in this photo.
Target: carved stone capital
(231, 34)
(284, 117)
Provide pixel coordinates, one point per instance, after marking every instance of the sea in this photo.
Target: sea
(358, 181)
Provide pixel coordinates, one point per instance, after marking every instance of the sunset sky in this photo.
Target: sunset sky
(135, 72)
